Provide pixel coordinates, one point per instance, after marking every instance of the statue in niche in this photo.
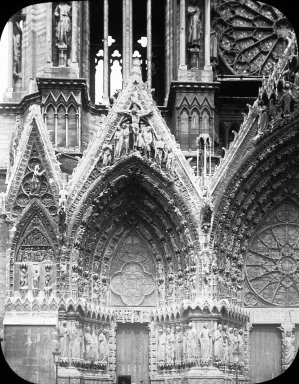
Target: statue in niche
(179, 346)
(107, 155)
(288, 349)
(103, 346)
(48, 280)
(205, 338)
(240, 341)
(62, 197)
(88, 341)
(17, 46)
(35, 183)
(169, 355)
(218, 345)
(194, 24)
(62, 224)
(23, 276)
(125, 139)
(233, 336)
(169, 161)
(35, 278)
(63, 25)
(161, 350)
(64, 335)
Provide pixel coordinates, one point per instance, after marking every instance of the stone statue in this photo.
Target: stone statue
(225, 344)
(17, 45)
(23, 276)
(103, 346)
(35, 278)
(2, 203)
(178, 351)
(288, 349)
(35, 181)
(205, 338)
(192, 352)
(62, 197)
(88, 341)
(194, 23)
(161, 350)
(233, 336)
(125, 139)
(63, 26)
(287, 100)
(169, 355)
(106, 154)
(159, 149)
(148, 140)
(118, 142)
(218, 346)
(64, 335)
(77, 341)
(169, 161)
(95, 345)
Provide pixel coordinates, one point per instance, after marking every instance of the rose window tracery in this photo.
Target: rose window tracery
(251, 36)
(132, 273)
(272, 262)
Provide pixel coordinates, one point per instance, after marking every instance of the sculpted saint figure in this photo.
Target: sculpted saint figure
(148, 140)
(95, 345)
(35, 278)
(107, 150)
(103, 346)
(218, 346)
(225, 344)
(161, 347)
(64, 335)
(289, 349)
(88, 341)
(194, 25)
(23, 276)
(118, 142)
(35, 181)
(77, 341)
(169, 347)
(205, 345)
(62, 16)
(192, 345)
(178, 352)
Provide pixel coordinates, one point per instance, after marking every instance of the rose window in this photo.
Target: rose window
(272, 262)
(251, 36)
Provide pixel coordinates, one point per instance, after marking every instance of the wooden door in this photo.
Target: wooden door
(265, 353)
(132, 352)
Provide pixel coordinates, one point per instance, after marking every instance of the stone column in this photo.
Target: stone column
(10, 56)
(182, 64)
(49, 33)
(130, 18)
(74, 58)
(207, 34)
(167, 48)
(125, 42)
(106, 56)
(3, 262)
(149, 43)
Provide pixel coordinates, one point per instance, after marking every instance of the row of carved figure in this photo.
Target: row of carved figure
(186, 345)
(79, 343)
(283, 99)
(35, 281)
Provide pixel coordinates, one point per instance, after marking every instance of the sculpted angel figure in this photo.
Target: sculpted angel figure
(35, 181)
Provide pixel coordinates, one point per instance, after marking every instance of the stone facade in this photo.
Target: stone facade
(179, 222)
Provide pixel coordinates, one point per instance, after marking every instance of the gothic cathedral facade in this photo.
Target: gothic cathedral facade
(149, 192)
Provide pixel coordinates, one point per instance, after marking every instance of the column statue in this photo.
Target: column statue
(178, 351)
(218, 346)
(169, 355)
(288, 349)
(205, 338)
(103, 346)
(161, 349)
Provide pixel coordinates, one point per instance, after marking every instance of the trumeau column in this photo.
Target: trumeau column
(106, 55)
(182, 64)
(149, 43)
(207, 34)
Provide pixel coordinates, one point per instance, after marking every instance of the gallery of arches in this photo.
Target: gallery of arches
(149, 192)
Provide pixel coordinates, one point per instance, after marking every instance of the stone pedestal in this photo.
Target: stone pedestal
(62, 51)
(198, 375)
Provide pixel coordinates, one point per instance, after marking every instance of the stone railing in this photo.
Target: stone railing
(265, 117)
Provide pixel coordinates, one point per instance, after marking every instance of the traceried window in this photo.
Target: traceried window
(251, 36)
(62, 123)
(132, 273)
(272, 262)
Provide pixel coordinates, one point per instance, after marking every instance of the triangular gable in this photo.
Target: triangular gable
(34, 148)
(61, 97)
(135, 92)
